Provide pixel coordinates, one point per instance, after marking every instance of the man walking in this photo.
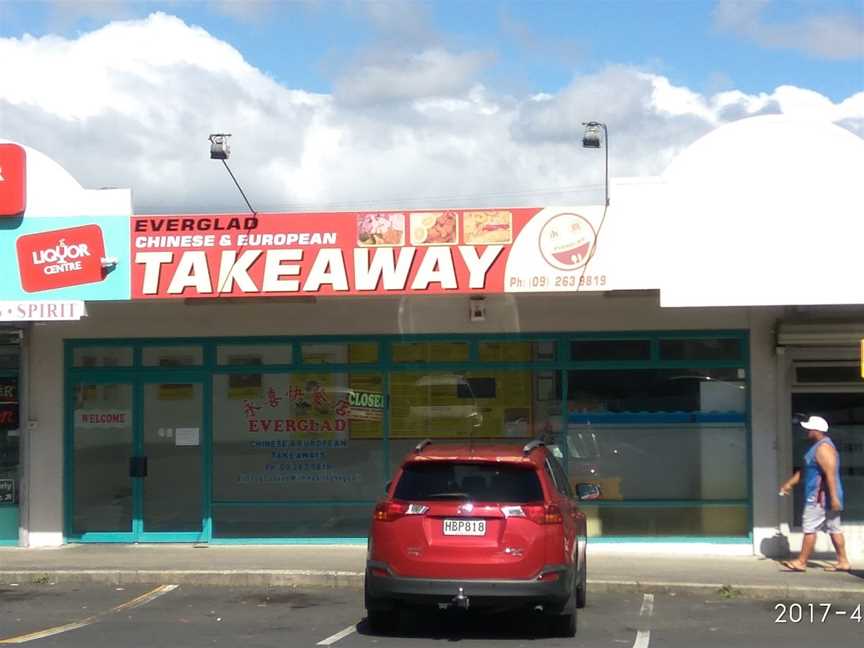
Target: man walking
(823, 496)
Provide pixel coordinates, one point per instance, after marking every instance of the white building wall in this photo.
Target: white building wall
(341, 316)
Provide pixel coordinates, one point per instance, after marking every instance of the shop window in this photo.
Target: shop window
(660, 462)
(656, 390)
(485, 406)
(254, 354)
(431, 351)
(610, 350)
(659, 521)
(350, 353)
(173, 356)
(298, 436)
(9, 448)
(96, 356)
(10, 356)
(701, 350)
(511, 351)
(829, 373)
(325, 521)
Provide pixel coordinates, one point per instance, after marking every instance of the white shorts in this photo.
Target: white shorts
(817, 518)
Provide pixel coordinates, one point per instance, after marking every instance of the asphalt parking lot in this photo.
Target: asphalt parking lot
(72, 616)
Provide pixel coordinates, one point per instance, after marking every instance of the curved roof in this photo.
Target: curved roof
(770, 148)
(766, 210)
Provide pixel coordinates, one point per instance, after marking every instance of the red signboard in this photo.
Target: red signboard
(8, 403)
(13, 180)
(357, 253)
(61, 258)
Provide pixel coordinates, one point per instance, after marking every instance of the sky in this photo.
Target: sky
(343, 104)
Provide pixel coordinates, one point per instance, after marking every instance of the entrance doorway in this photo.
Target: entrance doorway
(844, 411)
(828, 384)
(136, 469)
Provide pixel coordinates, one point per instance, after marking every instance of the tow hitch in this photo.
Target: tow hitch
(460, 601)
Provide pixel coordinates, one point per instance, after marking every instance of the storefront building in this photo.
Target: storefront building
(254, 379)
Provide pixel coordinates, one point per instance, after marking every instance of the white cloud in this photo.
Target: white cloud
(829, 36)
(429, 73)
(420, 130)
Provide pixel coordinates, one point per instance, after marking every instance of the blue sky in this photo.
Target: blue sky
(532, 46)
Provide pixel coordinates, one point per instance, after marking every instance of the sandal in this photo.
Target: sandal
(792, 566)
(835, 568)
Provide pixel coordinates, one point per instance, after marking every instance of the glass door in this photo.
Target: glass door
(169, 462)
(136, 470)
(99, 485)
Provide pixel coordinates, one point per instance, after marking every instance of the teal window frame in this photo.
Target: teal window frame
(385, 366)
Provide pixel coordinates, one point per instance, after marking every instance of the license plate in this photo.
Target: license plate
(465, 527)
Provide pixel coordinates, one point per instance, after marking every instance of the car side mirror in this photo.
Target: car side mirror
(387, 486)
(588, 492)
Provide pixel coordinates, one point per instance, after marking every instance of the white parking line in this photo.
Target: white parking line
(329, 641)
(643, 637)
(128, 605)
(647, 605)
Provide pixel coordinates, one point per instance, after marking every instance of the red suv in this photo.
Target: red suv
(491, 527)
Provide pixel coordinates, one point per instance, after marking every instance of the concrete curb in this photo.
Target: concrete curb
(234, 578)
(354, 580)
(720, 591)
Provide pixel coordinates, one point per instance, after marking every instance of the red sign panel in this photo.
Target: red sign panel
(13, 180)
(61, 258)
(8, 403)
(362, 253)
(322, 254)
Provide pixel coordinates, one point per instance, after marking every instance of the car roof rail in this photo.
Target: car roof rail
(419, 447)
(531, 445)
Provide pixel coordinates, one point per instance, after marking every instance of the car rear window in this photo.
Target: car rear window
(475, 481)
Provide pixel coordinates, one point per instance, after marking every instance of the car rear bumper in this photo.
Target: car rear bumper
(383, 591)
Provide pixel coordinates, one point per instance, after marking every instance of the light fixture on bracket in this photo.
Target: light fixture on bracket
(591, 139)
(220, 147)
(477, 309)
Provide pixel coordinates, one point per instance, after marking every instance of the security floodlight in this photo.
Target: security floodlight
(591, 139)
(219, 146)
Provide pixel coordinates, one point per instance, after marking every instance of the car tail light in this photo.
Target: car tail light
(377, 571)
(544, 514)
(548, 576)
(389, 511)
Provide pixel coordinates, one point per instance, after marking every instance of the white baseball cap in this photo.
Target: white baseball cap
(815, 423)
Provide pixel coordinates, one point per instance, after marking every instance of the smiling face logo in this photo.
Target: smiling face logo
(567, 241)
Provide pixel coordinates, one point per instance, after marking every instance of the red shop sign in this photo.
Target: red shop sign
(323, 254)
(13, 180)
(61, 258)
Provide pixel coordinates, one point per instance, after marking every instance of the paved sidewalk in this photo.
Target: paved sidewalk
(342, 566)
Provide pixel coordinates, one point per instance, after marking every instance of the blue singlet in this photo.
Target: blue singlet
(815, 488)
